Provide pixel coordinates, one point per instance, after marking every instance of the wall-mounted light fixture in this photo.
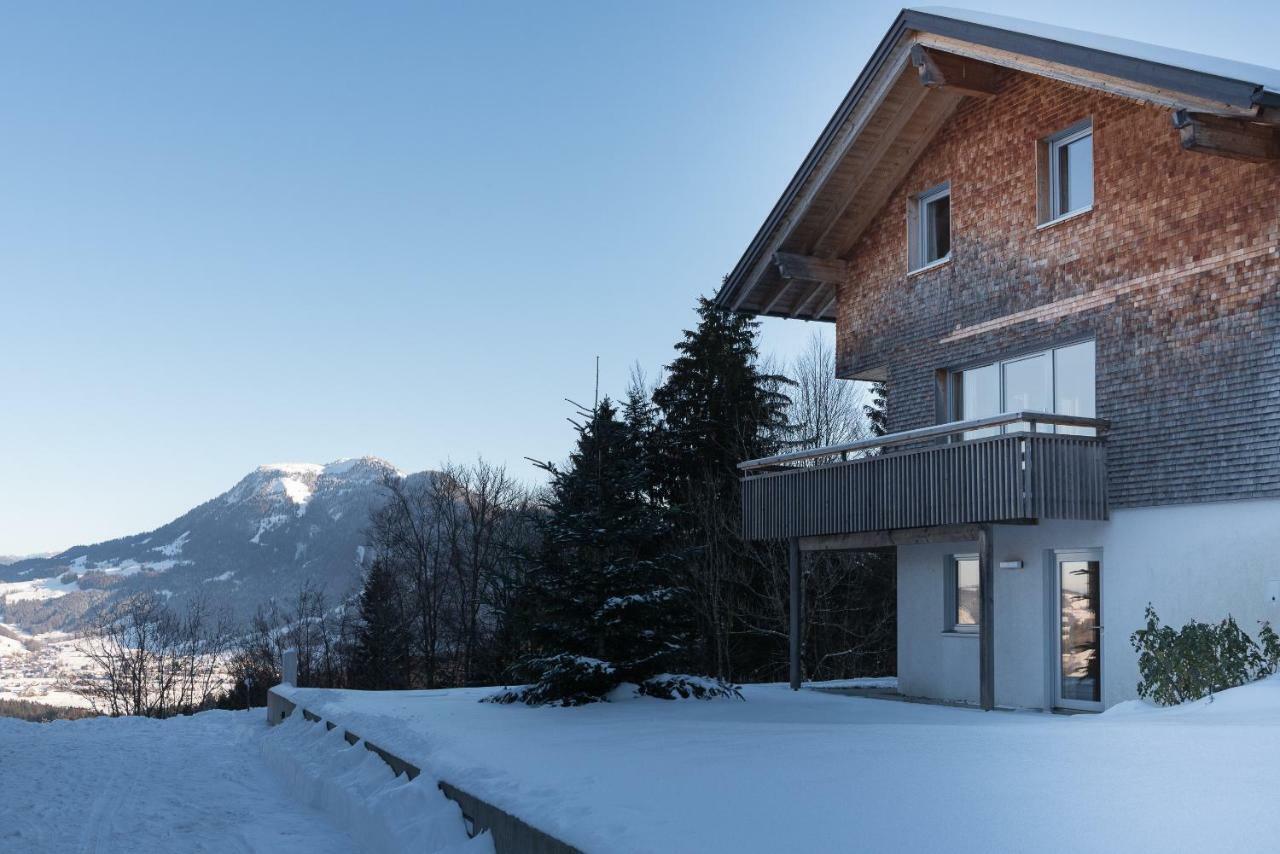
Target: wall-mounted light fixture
(1011, 564)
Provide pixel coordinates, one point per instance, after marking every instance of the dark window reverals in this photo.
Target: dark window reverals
(1076, 163)
(1071, 171)
(929, 234)
(938, 229)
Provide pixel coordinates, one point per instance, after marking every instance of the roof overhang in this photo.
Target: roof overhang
(793, 266)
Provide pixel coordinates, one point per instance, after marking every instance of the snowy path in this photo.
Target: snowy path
(138, 786)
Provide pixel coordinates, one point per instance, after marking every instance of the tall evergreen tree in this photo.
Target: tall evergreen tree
(716, 409)
(381, 652)
(604, 571)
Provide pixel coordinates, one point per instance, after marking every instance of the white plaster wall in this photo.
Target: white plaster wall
(1198, 561)
(932, 662)
(1191, 562)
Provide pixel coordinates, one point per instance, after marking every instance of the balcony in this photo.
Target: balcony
(932, 477)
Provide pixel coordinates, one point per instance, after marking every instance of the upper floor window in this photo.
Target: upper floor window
(929, 228)
(1066, 161)
(1059, 381)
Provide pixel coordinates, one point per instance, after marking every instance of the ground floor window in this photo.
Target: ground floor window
(964, 594)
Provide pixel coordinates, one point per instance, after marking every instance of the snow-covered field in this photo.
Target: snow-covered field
(141, 786)
(779, 772)
(213, 782)
(817, 772)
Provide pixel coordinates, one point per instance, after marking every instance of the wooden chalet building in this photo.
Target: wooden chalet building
(1061, 252)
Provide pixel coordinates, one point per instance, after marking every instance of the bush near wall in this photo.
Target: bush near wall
(1200, 659)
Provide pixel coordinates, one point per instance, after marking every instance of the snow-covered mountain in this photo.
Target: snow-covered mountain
(278, 527)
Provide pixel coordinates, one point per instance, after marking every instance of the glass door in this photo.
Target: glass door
(1079, 587)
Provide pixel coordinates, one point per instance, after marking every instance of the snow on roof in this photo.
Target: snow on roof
(1268, 78)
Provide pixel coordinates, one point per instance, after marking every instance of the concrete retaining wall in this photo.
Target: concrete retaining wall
(510, 834)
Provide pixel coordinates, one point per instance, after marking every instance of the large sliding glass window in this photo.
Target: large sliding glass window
(980, 397)
(1060, 381)
(1073, 384)
(1027, 384)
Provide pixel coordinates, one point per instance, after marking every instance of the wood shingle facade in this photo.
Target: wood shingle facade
(1061, 253)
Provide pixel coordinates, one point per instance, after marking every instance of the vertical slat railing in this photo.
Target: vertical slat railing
(1007, 478)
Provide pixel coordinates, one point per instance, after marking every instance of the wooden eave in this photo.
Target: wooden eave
(893, 111)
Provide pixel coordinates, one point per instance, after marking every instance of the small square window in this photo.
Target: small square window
(1066, 168)
(929, 227)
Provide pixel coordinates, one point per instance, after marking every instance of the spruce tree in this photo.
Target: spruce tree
(716, 409)
(603, 573)
(381, 651)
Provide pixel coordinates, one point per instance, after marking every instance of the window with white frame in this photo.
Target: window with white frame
(964, 594)
(1059, 380)
(929, 227)
(1066, 169)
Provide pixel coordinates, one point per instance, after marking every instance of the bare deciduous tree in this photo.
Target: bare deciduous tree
(321, 634)
(824, 410)
(457, 539)
(148, 659)
(742, 588)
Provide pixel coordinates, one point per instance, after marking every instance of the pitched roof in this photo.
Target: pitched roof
(1262, 83)
(888, 116)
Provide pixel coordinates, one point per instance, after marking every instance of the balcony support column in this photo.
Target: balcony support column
(793, 625)
(986, 619)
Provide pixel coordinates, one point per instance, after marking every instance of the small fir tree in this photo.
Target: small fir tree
(603, 575)
(380, 654)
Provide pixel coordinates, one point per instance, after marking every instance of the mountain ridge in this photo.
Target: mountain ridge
(278, 527)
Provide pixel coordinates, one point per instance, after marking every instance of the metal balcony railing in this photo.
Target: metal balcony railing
(931, 477)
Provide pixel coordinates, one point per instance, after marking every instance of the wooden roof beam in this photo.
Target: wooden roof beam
(783, 288)
(895, 64)
(888, 136)
(1234, 138)
(958, 73)
(804, 304)
(899, 163)
(1081, 77)
(828, 305)
(832, 271)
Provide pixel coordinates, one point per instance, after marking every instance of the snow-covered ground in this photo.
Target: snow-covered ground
(141, 786)
(811, 771)
(356, 790)
(885, 683)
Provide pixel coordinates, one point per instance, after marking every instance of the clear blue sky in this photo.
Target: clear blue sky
(238, 233)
